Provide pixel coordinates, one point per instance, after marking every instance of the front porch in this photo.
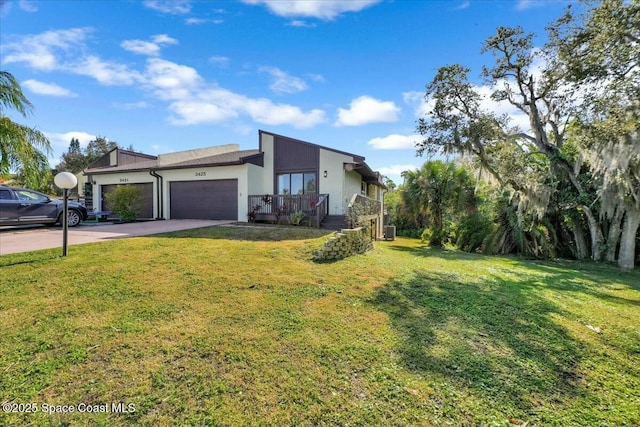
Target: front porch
(297, 209)
(313, 209)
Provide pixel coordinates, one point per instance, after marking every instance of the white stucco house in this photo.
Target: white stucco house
(283, 175)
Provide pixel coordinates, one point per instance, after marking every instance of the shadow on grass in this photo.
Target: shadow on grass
(595, 279)
(492, 337)
(34, 257)
(426, 251)
(561, 275)
(264, 233)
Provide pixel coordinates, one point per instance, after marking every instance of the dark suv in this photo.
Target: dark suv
(19, 206)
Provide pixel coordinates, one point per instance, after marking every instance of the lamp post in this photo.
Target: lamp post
(65, 181)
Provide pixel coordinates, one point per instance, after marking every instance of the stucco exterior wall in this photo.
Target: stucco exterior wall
(113, 158)
(335, 182)
(352, 185)
(263, 180)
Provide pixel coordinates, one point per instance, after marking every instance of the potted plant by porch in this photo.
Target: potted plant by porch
(126, 201)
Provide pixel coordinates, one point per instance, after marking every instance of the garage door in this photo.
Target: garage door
(147, 198)
(216, 199)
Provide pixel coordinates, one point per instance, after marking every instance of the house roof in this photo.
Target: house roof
(223, 159)
(368, 174)
(224, 155)
(356, 158)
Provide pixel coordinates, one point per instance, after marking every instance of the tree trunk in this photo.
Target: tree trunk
(597, 238)
(582, 251)
(614, 234)
(626, 258)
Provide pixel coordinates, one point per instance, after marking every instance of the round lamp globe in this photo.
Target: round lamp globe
(65, 180)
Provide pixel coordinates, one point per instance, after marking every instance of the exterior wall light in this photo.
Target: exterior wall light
(324, 174)
(66, 181)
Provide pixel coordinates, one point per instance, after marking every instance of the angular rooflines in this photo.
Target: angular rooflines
(221, 155)
(190, 159)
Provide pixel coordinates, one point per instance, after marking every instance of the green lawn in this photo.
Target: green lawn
(237, 326)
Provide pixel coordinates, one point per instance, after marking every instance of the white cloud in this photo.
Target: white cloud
(41, 51)
(264, 111)
(105, 72)
(50, 89)
(164, 39)
(221, 61)
(463, 5)
(218, 105)
(200, 21)
(151, 48)
(416, 100)
(195, 21)
(193, 101)
(364, 110)
(132, 105)
(395, 142)
(322, 9)
(170, 80)
(141, 47)
(61, 50)
(28, 6)
(191, 112)
(528, 4)
(395, 171)
(300, 23)
(190, 98)
(173, 7)
(316, 78)
(63, 139)
(282, 82)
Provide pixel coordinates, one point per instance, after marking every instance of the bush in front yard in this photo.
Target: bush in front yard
(126, 201)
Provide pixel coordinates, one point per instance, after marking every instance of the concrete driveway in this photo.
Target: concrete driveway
(14, 239)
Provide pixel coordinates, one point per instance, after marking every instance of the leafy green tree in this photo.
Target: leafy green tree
(22, 149)
(73, 160)
(98, 147)
(442, 194)
(76, 159)
(590, 73)
(598, 55)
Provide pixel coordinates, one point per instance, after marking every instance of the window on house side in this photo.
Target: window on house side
(297, 183)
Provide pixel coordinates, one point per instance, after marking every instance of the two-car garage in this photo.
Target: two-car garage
(204, 199)
(209, 183)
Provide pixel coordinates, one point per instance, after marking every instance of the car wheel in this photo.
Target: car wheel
(73, 218)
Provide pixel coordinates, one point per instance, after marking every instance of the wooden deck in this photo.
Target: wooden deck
(283, 207)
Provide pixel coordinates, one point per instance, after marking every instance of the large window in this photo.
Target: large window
(297, 183)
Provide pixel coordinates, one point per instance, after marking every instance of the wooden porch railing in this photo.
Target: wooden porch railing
(275, 207)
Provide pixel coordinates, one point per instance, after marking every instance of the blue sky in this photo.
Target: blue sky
(166, 76)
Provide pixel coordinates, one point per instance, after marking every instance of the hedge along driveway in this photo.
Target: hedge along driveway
(16, 240)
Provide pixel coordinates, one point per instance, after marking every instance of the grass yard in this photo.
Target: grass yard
(237, 326)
